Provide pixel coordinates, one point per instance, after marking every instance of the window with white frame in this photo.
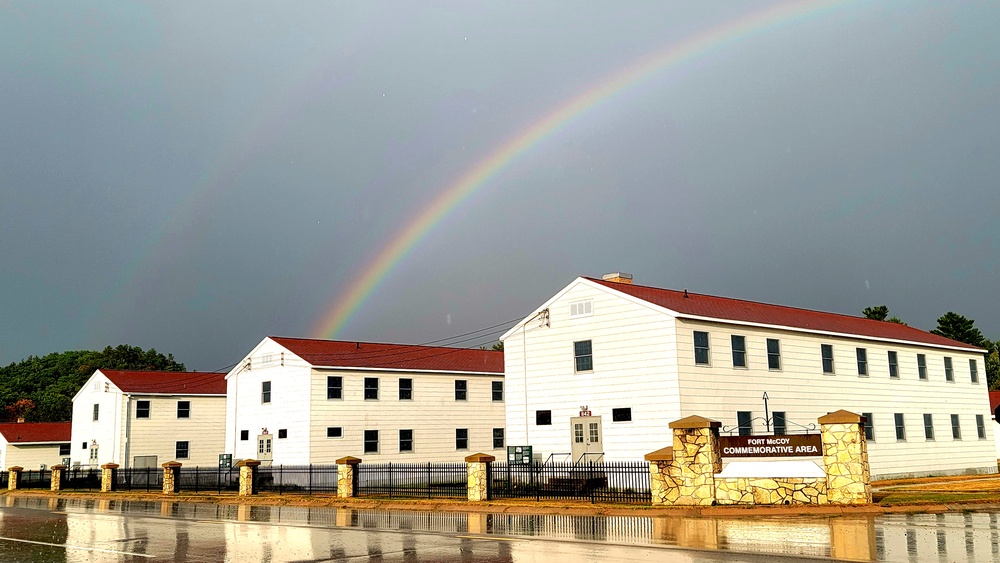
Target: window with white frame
(406, 440)
(973, 370)
(956, 428)
(265, 392)
(497, 387)
(334, 431)
(922, 366)
(701, 351)
(739, 343)
(181, 450)
(405, 389)
(893, 365)
(773, 353)
(900, 427)
(371, 388)
(183, 409)
(869, 426)
(142, 409)
(826, 351)
(371, 441)
(334, 387)
(949, 371)
(461, 389)
(929, 426)
(461, 438)
(981, 426)
(862, 361)
(583, 356)
(498, 438)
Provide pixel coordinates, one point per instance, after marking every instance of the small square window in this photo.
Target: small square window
(583, 355)
(893, 365)
(949, 372)
(334, 387)
(142, 409)
(744, 419)
(64, 449)
(543, 418)
(461, 389)
(334, 431)
(498, 439)
(581, 309)
(244, 435)
(371, 388)
(265, 392)
(405, 389)
(461, 438)
(929, 426)
(739, 351)
(282, 433)
(83, 445)
(621, 415)
(497, 391)
(773, 353)
(862, 361)
(922, 366)
(183, 409)
(701, 351)
(406, 440)
(182, 450)
(826, 351)
(869, 426)
(900, 426)
(371, 441)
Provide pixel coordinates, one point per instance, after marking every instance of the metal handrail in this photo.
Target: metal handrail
(552, 455)
(600, 456)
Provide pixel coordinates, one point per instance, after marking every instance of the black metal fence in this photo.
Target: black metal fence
(307, 479)
(618, 481)
(79, 479)
(35, 479)
(412, 480)
(140, 479)
(207, 479)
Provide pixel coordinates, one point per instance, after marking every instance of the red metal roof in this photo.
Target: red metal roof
(34, 432)
(994, 401)
(335, 353)
(752, 312)
(168, 382)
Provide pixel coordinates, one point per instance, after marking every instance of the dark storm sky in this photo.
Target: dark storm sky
(195, 176)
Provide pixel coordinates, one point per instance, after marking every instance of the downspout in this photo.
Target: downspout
(128, 427)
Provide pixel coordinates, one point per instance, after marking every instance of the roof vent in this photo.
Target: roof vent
(618, 277)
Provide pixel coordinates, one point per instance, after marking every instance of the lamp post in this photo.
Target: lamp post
(767, 415)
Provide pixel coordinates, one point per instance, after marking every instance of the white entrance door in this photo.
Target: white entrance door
(586, 438)
(264, 449)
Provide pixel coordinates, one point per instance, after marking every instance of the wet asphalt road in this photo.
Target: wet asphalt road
(71, 530)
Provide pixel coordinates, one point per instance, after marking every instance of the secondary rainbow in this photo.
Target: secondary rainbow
(361, 288)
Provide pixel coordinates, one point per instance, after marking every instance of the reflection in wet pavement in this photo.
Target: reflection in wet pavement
(71, 530)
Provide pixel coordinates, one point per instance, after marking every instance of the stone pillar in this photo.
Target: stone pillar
(14, 477)
(346, 473)
(696, 460)
(662, 486)
(248, 477)
(477, 466)
(845, 455)
(171, 477)
(109, 477)
(58, 471)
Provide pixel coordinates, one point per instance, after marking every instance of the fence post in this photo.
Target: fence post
(248, 476)
(845, 457)
(171, 477)
(310, 479)
(477, 468)
(14, 477)
(428, 479)
(57, 476)
(109, 477)
(347, 478)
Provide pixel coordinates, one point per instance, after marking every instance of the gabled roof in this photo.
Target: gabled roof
(737, 310)
(168, 382)
(36, 432)
(342, 354)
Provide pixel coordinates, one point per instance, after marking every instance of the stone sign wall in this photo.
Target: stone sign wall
(685, 473)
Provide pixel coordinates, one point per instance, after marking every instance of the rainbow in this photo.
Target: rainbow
(373, 274)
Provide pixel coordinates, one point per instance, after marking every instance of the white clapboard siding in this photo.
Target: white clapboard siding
(31, 456)
(433, 414)
(107, 431)
(158, 435)
(633, 368)
(643, 358)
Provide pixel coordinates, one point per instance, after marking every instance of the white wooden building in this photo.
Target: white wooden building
(33, 445)
(146, 418)
(299, 401)
(610, 364)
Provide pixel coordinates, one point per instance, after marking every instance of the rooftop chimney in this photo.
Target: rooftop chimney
(618, 277)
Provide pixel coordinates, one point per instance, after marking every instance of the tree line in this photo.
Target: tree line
(41, 389)
(956, 327)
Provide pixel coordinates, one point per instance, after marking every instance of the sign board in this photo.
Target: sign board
(65, 461)
(225, 461)
(519, 454)
(585, 413)
(793, 445)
